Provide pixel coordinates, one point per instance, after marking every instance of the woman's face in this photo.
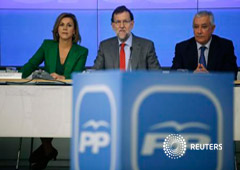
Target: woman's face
(66, 29)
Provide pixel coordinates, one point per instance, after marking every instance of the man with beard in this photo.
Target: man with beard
(125, 51)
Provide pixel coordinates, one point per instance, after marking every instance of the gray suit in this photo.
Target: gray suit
(143, 55)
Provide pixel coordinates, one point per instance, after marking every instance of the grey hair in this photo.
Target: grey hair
(205, 13)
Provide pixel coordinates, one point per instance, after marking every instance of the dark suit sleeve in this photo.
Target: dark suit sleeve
(177, 59)
(152, 61)
(34, 62)
(100, 59)
(230, 63)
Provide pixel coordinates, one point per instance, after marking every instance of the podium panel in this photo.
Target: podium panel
(150, 120)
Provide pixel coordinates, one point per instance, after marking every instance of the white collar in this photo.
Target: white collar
(207, 45)
(128, 42)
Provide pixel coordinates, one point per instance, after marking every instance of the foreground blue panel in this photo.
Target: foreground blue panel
(150, 120)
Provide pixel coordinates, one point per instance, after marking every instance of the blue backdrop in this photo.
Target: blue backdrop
(24, 24)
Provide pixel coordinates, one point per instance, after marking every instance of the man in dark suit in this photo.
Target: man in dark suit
(125, 51)
(205, 52)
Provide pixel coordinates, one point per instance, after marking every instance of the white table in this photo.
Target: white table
(45, 111)
(35, 111)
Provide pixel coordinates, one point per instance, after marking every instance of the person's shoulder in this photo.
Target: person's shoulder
(141, 39)
(186, 42)
(79, 47)
(80, 50)
(49, 42)
(221, 39)
(109, 40)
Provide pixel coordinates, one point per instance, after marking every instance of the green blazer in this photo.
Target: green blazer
(48, 52)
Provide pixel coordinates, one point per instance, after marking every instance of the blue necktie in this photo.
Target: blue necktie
(202, 57)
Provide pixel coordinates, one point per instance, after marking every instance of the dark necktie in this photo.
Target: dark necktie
(202, 57)
(122, 57)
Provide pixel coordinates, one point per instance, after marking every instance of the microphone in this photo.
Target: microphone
(129, 68)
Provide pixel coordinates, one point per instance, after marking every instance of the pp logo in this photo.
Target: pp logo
(153, 140)
(94, 140)
(174, 146)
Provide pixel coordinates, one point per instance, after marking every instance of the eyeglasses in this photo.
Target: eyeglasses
(125, 22)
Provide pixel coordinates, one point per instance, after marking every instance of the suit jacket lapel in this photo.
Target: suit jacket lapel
(212, 54)
(53, 54)
(114, 50)
(192, 57)
(71, 59)
(135, 52)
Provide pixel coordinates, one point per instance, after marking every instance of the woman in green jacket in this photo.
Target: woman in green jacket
(61, 57)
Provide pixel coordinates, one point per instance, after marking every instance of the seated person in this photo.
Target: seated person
(61, 57)
(125, 51)
(205, 52)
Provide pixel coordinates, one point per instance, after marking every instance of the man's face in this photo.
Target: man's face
(122, 25)
(202, 29)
